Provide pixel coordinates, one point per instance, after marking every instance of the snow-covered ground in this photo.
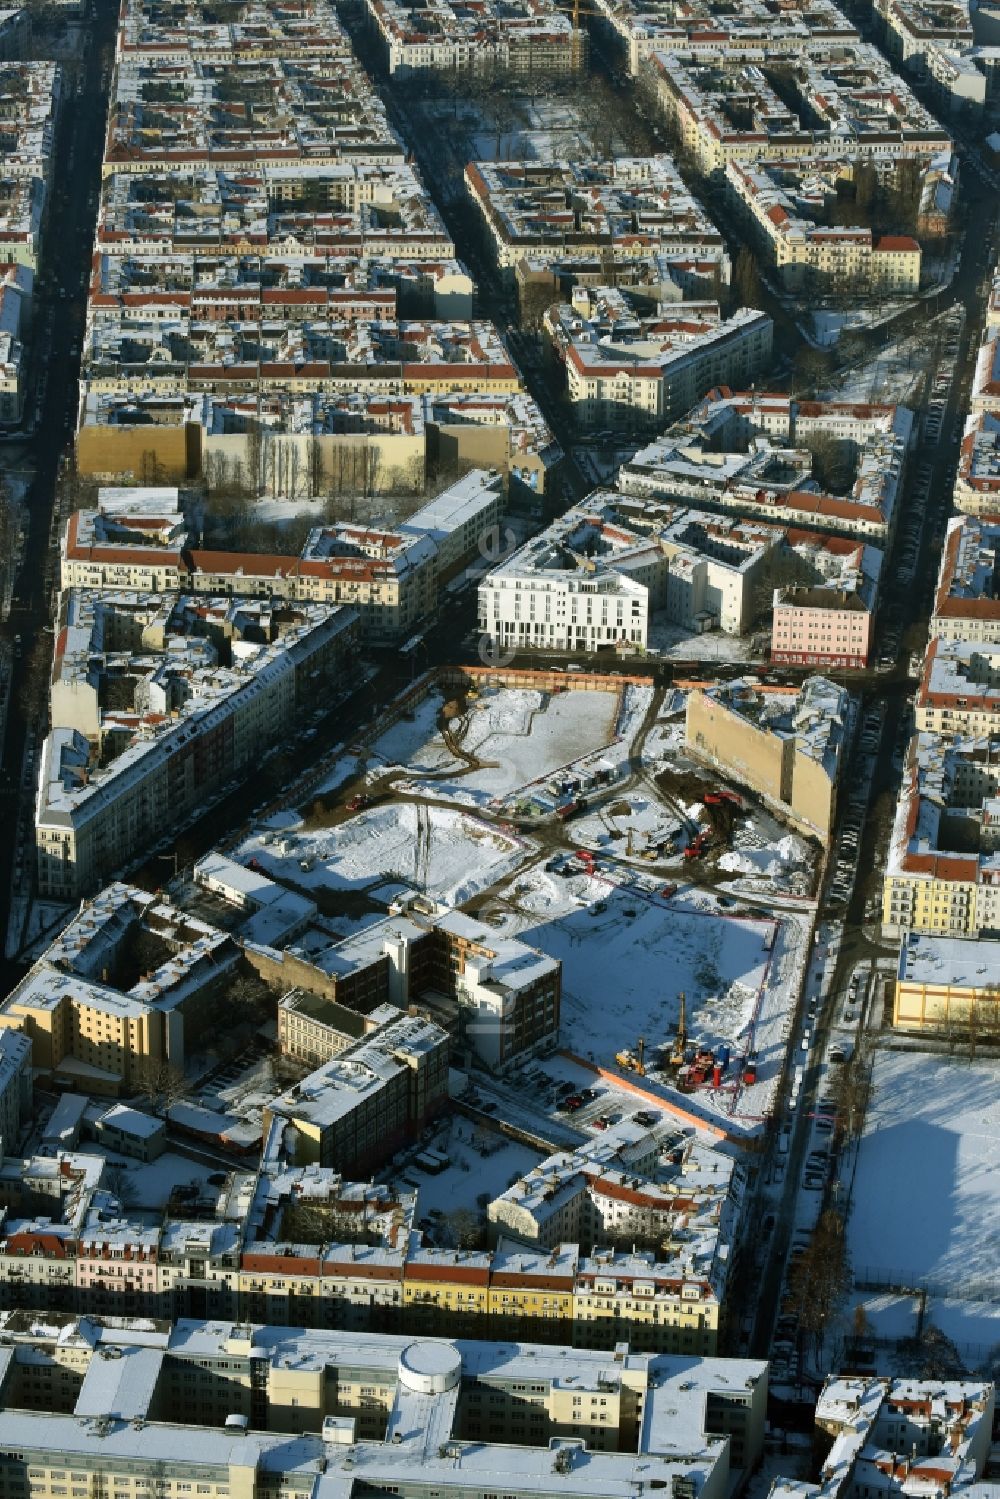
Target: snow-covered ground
(826, 325)
(521, 736)
(713, 645)
(147, 1186)
(973, 1326)
(628, 826)
(767, 860)
(891, 375)
(926, 1211)
(481, 1161)
(601, 464)
(446, 854)
(280, 511)
(628, 954)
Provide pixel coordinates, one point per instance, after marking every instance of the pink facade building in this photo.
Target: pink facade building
(817, 626)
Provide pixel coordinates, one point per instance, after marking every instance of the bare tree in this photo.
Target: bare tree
(464, 1229)
(820, 1279)
(314, 466)
(852, 1091)
(159, 1082)
(119, 1183)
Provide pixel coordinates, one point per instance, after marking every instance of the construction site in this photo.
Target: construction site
(561, 817)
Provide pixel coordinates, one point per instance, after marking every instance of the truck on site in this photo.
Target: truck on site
(633, 1061)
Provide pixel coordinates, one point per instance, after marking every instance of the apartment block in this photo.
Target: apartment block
(786, 204)
(841, 99)
(15, 1087)
(620, 210)
(902, 1434)
(318, 1412)
(711, 28)
(946, 986)
(519, 38)
(977, 482)
(366, 1102)
(959, 691)
(389, 578)
(967, 599)
(942, 874)
(635, 372)
(829, 621)
(755, 455)
(496, 995)
(303, 1246)
(205, 686)
(787, 746)
(128, 987)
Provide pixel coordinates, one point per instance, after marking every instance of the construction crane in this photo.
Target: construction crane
(633, 1061)
(680, 1040)
(577, 9)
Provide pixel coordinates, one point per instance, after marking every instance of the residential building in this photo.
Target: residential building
(712, 28)
(205, 686)
(619, 210)
(977, 482)
(833, 100)
(497, 996)
(757, 455)
(358, 1108)
(328, 1408)
(829, 621)
(15, 1087)
(959, 691)
(639, 372)
(124, 992)
(521, 37)
(786, 745)
(902, 1434)
(947, 986)
(786, 204)
(967, 600)
(942, 873)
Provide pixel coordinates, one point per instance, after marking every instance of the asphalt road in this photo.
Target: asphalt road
(761, 1268)
(66, 256)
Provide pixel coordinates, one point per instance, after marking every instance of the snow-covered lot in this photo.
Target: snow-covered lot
(519, 737)
(627, 952)
(482, 1162)
(926, 1211)
(447, 854)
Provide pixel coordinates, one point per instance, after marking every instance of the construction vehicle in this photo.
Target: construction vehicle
(357, 802)
(713, 798)
(676, 1058)
(633, 1061)
(697, 1071)
(570, 809)
(697, 846)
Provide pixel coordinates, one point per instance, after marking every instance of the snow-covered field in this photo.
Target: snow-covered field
(520, 736)
(926, 1211)
(626, 957)
(446, 854)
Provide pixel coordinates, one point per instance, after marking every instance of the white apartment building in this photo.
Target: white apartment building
(582, 585)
